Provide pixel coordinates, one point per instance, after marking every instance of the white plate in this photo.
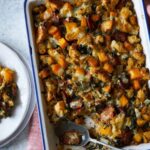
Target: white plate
(9, 125)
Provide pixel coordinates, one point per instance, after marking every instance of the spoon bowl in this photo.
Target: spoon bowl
(65, 125)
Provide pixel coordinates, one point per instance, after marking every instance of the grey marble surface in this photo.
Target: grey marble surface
(13, 33)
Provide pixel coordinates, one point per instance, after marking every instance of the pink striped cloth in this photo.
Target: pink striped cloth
(34, 138)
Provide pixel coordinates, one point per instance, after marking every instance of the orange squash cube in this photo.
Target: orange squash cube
(57, 69)
(123, 101)
(92, 62)
(102, 56)
(136, 84)
(52, 30)
(140, 122)
(108, 67)
(61, 61)
(62, 43)
(135, 73)
(80, 71)
(107, 88)
(83, 22)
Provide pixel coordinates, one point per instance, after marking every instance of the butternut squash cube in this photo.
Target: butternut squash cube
(61, 61)
(136, 84)
(105, 131)
(108, 67)
(52, 30)
(57, 69)
(140, 122)
(62, 43)
(107, 88)
(70, 26)
(138, 137)
(102, 56)
(83, 22)
(123, 101)
(135, 73)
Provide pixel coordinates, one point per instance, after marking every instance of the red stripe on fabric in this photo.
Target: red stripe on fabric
(34, 137)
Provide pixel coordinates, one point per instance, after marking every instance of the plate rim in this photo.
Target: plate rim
(29, 110)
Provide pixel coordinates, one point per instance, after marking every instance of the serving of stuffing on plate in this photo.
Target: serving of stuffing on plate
(92, 64)
(8, 92)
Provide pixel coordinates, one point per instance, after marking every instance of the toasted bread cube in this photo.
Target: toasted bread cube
(147, 135)
(133, 39)
(80, 73)
(73, 53)
(62, 43)
(99, 39)
(66, 10)
(141, 95)
(135, 73)
(108, 67)
(44, 73)
(125, 13)
(51, 5)
(107, 26)
(42, 48)
(60, 108)
(123, 101)
(118, 46)
(47, 14)
(57, 69)
(136, 84)
(102, 77)
(46, 59)
(41, 34)
(103, 56)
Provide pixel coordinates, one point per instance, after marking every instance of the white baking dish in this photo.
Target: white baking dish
(48, 136)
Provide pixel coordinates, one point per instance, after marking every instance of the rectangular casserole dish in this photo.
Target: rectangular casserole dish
(48, 136)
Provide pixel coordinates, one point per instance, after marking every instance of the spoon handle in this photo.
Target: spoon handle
(104, 144)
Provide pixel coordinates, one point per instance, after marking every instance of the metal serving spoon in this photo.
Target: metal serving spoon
(65, 125)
